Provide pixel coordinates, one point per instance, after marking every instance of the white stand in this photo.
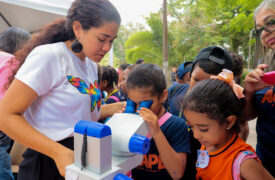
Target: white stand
(109, 155)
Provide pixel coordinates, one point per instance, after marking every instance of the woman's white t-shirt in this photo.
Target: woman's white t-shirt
(67, 90)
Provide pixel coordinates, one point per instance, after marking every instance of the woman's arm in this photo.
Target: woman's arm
(253, 170)
(253, 83)
(108, 110)
(12, 107)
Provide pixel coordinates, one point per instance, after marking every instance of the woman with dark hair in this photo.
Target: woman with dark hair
(11, 40)
(57, 85)
(258, 94)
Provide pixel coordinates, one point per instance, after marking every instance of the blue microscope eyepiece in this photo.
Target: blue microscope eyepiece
(130, 107)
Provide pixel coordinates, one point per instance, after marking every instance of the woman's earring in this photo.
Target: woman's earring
(76, 46)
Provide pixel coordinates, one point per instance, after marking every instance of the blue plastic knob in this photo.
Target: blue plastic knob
(121, 177)
(139, 144)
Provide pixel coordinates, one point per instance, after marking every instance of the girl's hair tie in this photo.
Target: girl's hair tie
(228, 77)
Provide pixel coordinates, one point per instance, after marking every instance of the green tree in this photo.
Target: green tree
(146, 44)
(119, 44)
(193, 25)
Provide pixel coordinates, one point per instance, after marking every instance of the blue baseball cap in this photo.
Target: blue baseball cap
(182, 70)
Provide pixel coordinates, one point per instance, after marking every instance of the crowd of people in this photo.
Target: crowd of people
(51, 80)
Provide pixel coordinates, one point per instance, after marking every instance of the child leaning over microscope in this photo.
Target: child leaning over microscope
(166, 158)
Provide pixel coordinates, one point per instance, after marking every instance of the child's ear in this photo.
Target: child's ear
(164, 95)
(231, 120)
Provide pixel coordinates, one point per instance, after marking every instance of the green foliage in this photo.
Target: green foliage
(118, 46)
(146, 44)
(105, 61)
(225, 23)
(193, 25)
(155, 23)
(244, 74)
(119, 43)
(143, 45)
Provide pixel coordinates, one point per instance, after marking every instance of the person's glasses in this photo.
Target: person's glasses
(269, 26)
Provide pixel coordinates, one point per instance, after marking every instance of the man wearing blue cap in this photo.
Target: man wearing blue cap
(183, 72)
(180, 87)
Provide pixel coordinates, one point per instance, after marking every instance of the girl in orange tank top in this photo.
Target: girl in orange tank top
(212, 109)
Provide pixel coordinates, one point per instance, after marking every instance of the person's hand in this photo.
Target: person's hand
(151, 119)
(253, 81)
(63, 159)
(120, 107)
(123, 106)
(108, 110)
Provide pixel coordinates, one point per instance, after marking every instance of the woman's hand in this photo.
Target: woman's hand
(151, 119)
(62, 159)
(253, 81)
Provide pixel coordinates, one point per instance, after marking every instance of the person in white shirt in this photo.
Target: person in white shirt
(57, 85)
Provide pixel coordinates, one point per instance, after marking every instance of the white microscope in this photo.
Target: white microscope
(108, 151)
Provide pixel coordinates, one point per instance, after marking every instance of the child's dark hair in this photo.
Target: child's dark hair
(147, 76)
(110, 75)
(124, 66)
(238, 64)
(139, 61)
(215, 98)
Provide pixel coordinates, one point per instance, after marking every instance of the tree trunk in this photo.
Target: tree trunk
(165, 41)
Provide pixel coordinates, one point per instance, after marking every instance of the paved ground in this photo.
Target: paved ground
(252, 138)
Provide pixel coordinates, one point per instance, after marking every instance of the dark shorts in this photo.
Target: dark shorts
(37, 166)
